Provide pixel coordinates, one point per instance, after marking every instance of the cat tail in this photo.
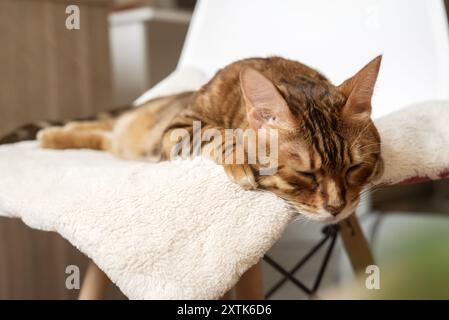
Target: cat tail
(30, 130)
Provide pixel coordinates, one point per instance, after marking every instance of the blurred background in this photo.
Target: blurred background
(123, 48)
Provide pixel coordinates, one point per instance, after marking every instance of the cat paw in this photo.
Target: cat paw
(50, 138)
(241, 174)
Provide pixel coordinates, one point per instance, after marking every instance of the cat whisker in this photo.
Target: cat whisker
(366, 192)
(370, 145)
(359, 135)
(368, 153)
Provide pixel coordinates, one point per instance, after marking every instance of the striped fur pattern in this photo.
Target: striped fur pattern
(328, 147)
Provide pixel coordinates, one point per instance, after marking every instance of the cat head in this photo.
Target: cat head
(328, 146)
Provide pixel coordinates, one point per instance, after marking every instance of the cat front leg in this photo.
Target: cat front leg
(237, 170)
(213, 146)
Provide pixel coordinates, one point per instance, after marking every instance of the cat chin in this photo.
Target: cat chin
(326, 217)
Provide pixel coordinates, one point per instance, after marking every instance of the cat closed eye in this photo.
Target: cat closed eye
(308, 175)
(304, 180)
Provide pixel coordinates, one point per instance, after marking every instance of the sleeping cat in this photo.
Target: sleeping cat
(328, 148)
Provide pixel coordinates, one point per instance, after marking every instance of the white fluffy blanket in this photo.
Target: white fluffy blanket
(176, 230)
(181, 230)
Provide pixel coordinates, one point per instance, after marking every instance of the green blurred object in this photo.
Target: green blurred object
(416, 265)
(412, 255)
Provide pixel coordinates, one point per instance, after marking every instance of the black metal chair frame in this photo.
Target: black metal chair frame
(330, 233)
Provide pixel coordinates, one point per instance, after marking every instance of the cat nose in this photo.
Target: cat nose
(333, 209)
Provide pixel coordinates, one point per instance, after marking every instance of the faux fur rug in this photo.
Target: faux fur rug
(182, 230)
(178, 230)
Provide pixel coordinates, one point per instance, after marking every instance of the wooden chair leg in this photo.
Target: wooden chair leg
(250, 285)
(356, 245)
(95, 284)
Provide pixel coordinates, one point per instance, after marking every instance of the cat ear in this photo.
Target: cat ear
(264, 104)
(359, 90)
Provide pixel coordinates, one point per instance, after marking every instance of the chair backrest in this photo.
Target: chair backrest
(336, 37)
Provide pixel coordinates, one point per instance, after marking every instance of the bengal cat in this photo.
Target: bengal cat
(328, 147)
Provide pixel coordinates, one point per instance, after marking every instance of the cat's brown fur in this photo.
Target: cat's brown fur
(328, 149)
